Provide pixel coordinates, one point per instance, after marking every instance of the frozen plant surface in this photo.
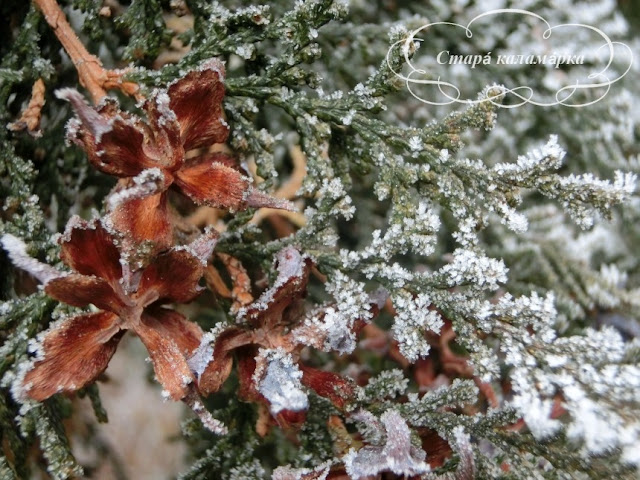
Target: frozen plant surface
(279, 381)
(397, 454)
(337, 280)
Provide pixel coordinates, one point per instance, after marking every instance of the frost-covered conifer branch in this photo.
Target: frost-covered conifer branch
(501, 342)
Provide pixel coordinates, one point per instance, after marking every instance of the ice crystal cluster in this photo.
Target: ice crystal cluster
(434, 291)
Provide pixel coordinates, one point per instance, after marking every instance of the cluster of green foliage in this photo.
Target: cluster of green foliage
(391, 201)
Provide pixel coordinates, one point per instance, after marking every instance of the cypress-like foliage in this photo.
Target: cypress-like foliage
(338, 280)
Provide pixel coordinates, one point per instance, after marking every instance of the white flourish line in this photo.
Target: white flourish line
(570, 90)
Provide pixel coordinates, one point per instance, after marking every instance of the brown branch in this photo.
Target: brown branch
(92, 75)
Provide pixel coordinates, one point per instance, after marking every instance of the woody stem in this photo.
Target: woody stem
(91, 73)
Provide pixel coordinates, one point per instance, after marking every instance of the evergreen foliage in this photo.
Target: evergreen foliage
(473, 273)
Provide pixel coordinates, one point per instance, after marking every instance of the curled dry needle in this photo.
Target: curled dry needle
(150, 156)
(30, 118)
(75, 351)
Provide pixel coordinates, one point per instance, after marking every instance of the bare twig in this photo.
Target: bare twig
(92, 75)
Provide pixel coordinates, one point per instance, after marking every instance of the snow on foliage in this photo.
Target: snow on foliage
(277, 377)
(397, 455)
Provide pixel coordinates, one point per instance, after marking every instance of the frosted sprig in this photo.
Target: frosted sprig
(412, 320)
(533, 371)
(470, 268)
(584, 370)
(335, 323)
(409, 231)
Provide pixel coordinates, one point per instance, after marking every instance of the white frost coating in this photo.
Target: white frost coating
(573, 188)
(548, 157)
(289, 473)
(536, 412)
(582, 196)
(370, 426)
(362, 91)
(72, 129)
(334, 190)
(397, 31)
(413, 318)
(257, 198)
(334, 324)
(89, 117)
(162, 101)
(186, 380)
(466, 235)
(398, 455)
(415, 144)
(583, 369)
(631, 452)
(534, 311)
(212, 424)
(515, 221)
(15, 381)
(277, 377)
(76, 222)
(469, 267)
(598, 430)
(612, 276)
(204, 353)
(466, 466)
(348, 118)
(202, 247)
(555, 361)
(416, 233)
(290, 267)
(17, 251)
(379, 297)
(148, 182)
(245, 51)
(6, 307)
(214, 65)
